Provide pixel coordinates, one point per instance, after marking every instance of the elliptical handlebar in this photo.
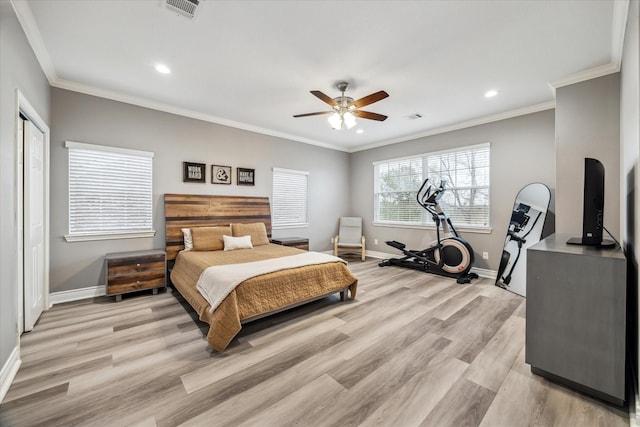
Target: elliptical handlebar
(428, 197)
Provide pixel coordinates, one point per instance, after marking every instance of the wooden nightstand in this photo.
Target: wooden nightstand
(135, 271)
(296, 242)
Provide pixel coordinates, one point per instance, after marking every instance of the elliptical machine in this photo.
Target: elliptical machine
(450, 256)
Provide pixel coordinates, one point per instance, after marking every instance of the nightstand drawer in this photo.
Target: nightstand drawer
(117, 270)
(135, 285)
(135, 271)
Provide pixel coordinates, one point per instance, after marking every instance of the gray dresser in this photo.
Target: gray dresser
(576, 316)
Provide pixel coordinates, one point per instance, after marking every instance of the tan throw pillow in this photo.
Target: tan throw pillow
(209, 238)
(256, 230)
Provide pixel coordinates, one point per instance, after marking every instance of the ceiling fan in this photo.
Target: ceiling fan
(344, 109)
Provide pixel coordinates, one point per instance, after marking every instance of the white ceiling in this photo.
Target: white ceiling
(251, 64)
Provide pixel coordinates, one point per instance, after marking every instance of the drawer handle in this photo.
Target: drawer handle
(138, 282)
(139, 267)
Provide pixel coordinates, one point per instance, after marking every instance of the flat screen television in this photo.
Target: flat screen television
(593, 207)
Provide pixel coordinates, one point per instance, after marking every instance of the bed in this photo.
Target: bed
(267, 293)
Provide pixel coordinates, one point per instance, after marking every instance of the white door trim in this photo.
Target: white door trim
(24, 106)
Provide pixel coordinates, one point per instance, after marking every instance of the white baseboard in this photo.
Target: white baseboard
(381, 255)
(75, 294)
(9, 371)
(483, 272)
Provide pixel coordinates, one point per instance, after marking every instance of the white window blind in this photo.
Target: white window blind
(289, 201)
(110, 192)
(465, 201)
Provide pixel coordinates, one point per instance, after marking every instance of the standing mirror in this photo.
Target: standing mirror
(525, 229)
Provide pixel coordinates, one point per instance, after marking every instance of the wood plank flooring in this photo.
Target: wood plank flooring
(413, 350)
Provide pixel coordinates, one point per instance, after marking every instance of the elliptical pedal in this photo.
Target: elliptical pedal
(396, 244)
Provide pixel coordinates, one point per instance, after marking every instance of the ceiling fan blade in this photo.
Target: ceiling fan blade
(313, 114)
(370, 99)
(369, 115)
(325, 98)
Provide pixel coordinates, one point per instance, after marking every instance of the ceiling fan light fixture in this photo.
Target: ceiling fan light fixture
(342, 120)
(349, 119)
(335, 121)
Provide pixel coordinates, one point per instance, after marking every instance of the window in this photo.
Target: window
(465, 201)
(289, 201)
(110, 192)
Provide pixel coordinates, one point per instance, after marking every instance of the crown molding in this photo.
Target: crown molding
(146, 103)
(619, 27)
(585, 75)
(462, 125)
(142, 102)
(30, 27)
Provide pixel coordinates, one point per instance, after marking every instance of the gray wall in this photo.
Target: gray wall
(522, 151)
(174, 139)
(630, 162)
(19, 69)
(587, 125)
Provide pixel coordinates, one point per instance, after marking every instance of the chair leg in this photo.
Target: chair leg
(363, 257)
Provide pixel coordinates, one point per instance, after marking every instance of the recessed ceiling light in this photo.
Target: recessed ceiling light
(490, 93)
(359, 131)
(161, 68)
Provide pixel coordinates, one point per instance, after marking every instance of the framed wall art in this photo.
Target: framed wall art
(220, 174)
(193, 172)
(246, 176)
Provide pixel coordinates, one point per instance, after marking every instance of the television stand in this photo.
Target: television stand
(576, 316)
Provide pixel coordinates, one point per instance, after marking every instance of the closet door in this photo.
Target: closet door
(34, 224)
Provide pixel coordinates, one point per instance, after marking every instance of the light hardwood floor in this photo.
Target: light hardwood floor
(412, 350)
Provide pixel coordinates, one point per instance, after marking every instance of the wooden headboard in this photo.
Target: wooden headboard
(190, 210)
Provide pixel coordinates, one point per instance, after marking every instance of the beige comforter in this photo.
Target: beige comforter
(258, 295)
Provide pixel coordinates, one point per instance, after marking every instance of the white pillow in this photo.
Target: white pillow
(233, 243)
(188, 240)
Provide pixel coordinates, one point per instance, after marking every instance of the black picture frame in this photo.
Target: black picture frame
(220, 174)
(194, 172)
(246, 176)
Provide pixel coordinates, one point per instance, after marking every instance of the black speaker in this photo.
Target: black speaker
(592, 215)
(593, 206)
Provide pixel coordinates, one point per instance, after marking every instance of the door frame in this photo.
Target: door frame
(24, 107)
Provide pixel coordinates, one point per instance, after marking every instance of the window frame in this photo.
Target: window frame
(80, 236)
(274, 202)
(426, 222)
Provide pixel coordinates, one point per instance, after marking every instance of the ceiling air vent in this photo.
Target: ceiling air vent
(183, 7)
